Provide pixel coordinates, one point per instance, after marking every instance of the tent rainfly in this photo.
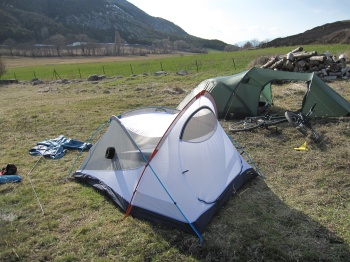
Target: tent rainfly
(169, 166)
(247, 93)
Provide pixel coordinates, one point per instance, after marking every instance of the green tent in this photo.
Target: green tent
(249, 92)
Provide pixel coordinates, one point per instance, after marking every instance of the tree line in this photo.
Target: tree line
(57, 45)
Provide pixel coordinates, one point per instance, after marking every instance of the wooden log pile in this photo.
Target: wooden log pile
(324, 65)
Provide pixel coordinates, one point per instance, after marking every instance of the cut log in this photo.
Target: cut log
(335, 74)
(319, 58)
(343, 62)
(271, 61)
(301, 64)
(325, 65)
(313, 69)
(299, 49)
(290, 56)
(345, 70)
(333, 67)
(324, 72)
(321, 66)
(330, 77)
(288, 65)
(313, 63)
(301, 55)
(278, 64)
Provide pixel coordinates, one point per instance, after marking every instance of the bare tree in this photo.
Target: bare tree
(255, 42)
(10, 43)
(117, 43)
(156, 45)
(58, 41)
(231, 48)
(181, 45)
(83, 40)
(2, 67)
(248, 45)
(167, 45)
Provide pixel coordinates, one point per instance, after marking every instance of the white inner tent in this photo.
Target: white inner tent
(168, 166)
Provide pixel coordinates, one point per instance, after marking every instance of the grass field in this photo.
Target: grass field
(299, 212)
(208, 65)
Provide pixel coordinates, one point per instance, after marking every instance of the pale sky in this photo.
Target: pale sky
(235, 21)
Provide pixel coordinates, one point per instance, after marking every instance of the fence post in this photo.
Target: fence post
(132, 72)
(103, 68)
(233, 61)
(34, 74)
(197, 65)
(161, 66)
(56, 74)
(79, 73)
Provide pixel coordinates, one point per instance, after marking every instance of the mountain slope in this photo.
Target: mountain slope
(37, 20)
(332, 33)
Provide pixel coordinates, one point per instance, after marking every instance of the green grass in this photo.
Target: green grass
(299, 212)
(226, 63)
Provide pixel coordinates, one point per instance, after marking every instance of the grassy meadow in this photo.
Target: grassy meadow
(300, 211)
(208, 65)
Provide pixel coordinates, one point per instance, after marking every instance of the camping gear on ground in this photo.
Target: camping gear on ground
(10, 169)
(8, 174)
(301, 148)
(302, 122)
(57, 147)
(10, 179)
(249, 93)
(253, 122)
(297, 119)
(169, 166)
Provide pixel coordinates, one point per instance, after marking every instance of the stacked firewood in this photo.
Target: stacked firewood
(324, 65)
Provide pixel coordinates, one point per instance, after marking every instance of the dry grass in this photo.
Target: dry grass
(299, 212)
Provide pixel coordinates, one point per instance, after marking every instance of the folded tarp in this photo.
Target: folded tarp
(57, 147)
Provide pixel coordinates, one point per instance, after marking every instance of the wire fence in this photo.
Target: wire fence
(125, 69)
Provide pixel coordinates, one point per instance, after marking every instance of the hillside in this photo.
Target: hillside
(332, 33)
(37, 20)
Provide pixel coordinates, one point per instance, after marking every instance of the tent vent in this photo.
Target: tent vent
(245, 79)
(110, 152)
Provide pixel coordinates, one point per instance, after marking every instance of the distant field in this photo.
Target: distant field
(14, 62)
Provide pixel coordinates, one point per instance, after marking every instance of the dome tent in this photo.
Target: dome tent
(169, 166)
(249, 92)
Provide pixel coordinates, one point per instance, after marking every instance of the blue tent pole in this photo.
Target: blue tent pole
(172, 199)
